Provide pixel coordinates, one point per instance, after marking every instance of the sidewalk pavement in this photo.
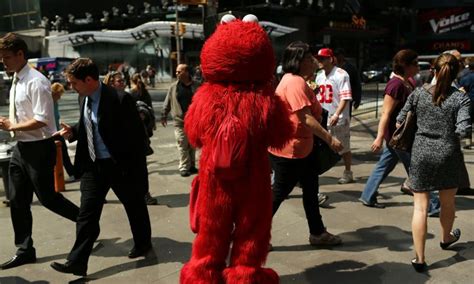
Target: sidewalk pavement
(377, 242)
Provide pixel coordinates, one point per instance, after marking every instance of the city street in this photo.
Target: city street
(377, 244)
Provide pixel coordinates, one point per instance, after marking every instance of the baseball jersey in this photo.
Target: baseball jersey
(334, 88)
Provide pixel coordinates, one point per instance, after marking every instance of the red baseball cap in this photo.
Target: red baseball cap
(325, 52)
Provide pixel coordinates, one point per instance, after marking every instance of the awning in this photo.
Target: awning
(151, 30)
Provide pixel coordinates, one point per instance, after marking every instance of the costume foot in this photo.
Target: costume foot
(201, 272)
(249, 275)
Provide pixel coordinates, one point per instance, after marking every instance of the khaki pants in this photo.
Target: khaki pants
(187, 154)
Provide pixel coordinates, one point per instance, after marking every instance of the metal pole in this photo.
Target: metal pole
(377, 102)
(176, 32)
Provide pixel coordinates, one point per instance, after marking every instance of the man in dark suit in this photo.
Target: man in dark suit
(110, 153)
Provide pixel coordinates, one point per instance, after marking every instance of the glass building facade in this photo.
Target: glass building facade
(16, 15)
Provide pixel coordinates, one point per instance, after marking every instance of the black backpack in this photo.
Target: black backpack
(147, 115)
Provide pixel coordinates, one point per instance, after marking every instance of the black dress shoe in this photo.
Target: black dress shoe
(193, 170)
(139, 251)
(18, 260)
(185, 173)
(71, 268)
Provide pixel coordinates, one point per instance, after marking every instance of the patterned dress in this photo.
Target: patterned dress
(436, 158)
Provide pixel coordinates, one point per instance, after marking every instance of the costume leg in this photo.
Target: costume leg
(252, 234)
(211, 245)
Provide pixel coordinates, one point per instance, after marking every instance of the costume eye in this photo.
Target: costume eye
(250, 18)
(228, 18)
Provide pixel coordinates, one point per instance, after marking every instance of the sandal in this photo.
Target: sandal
(325, 239)
(456, 234)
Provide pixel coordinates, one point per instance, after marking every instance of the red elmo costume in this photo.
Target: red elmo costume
(234, 117)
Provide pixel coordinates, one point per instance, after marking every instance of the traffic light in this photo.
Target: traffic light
(182, 29)
(173, 30)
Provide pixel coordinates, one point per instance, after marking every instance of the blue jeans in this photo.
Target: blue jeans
(387, 162)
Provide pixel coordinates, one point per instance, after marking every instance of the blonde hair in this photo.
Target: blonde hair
(57, 88)
(447, 68)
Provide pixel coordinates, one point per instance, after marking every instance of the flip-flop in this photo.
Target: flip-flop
(456, 234)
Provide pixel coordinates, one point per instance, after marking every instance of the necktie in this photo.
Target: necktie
(12, 110)
(89, 129)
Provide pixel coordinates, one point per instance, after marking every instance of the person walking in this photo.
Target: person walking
(294, 162)
(116, 80)
(442, 118)
(405, 66)
(138, 90)
(57, 90)
(177, 101)
(110, 153)
(335, 95)
(31, 124)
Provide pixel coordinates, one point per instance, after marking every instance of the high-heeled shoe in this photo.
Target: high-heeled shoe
(419, 267)
(456, 234)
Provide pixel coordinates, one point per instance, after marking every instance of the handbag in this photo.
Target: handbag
(403, 137)
(324, 157)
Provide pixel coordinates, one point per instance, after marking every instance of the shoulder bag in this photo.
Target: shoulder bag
(324, 157)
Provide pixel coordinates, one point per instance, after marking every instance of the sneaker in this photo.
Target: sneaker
(150, 200)
(346, 177)
(322, 198)
(325, 239)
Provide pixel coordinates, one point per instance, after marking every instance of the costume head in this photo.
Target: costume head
(238, 51)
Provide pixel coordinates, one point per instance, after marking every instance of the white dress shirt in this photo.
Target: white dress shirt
(33, 100)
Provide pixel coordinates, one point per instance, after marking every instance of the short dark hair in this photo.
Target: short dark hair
(402, 59)
(83, 67)
(293, 55)
(14, 43)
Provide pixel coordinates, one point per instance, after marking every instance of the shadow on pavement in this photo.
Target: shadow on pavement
(19, 280)
(148, 261)
(364, 239)
(348, 271)
(165, 250)
(174, 200)
(464, 252)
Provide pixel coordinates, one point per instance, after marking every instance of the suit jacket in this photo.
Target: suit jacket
(121, 130)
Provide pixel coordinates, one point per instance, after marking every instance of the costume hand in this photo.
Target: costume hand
(336, 145)
(333, 120)
(376, 145)
(66, 131)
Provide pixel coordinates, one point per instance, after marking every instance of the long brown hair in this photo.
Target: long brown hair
(447, 68)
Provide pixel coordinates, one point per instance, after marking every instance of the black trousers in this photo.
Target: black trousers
(96, 181)
(32, 170)
(288, 172)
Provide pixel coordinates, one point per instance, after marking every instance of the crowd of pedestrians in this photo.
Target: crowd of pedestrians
(106, 159)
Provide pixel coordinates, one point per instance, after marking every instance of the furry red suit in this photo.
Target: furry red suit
(231, 198)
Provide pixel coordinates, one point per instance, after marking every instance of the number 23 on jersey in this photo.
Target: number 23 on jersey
(325, 94)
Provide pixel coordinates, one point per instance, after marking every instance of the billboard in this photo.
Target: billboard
(444, 21)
